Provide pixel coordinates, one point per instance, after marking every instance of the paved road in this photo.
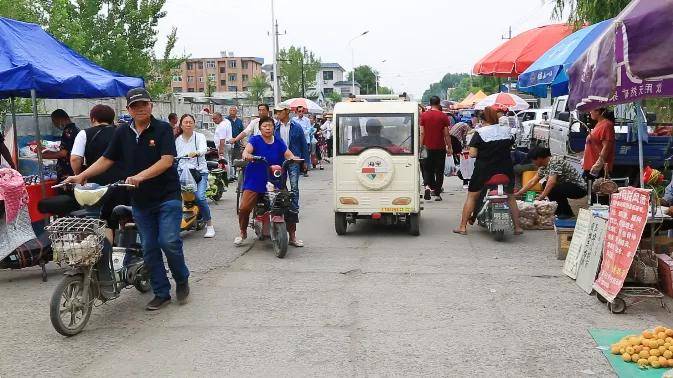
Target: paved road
(374, 302)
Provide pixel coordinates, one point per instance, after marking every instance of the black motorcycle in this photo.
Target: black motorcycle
(99, 270)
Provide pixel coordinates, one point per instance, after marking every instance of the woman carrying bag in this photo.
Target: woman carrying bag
(193, 145)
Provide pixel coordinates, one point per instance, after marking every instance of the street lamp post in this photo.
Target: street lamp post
(353, 59)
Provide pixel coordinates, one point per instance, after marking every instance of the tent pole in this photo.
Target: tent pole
(38, 137)
(15, 148)
(640, 121)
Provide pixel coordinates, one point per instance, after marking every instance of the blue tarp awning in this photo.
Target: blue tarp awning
(551, 69)
(31, 58)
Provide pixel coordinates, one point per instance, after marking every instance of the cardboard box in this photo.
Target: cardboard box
(563, 238)
(665, 267)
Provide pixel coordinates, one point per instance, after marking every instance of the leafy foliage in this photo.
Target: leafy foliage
(290, 70)
(366, 77)
(334, 97)
(162, 69)
(118, 35)
(589, 11)
(473, 84)
(257, 87)
(450, 80)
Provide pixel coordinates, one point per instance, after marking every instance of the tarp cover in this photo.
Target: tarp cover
(31, 58)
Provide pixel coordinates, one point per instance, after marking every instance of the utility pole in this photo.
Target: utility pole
(274, 40)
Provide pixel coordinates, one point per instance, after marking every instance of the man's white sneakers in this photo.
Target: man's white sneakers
(210, 232)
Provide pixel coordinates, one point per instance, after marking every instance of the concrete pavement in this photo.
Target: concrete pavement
(373, 302)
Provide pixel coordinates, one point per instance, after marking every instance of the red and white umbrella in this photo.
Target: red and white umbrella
(503, 100)
(309, 105)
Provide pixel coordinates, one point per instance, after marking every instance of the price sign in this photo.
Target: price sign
(628, 215)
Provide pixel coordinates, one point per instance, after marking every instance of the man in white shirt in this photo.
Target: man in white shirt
(221, 137)
(253, 126)
(327, 133)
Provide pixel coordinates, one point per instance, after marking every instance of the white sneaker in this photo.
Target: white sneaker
(210, 232)
(238, 241)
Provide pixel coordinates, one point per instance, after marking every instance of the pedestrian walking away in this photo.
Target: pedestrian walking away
(147, 150)
(292, 134)
(275, 151)
(435, 127)
(222, 139)
(193, 145)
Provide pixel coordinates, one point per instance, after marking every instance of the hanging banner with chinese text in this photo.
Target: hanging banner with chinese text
(628, 214)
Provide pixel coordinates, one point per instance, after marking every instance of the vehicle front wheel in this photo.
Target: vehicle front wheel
(280, 240)
(499, 235)
(69, 311)
(413, 222)
(340, 223)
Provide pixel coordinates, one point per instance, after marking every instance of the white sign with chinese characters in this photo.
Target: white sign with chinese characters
(591, 254)
(577, 243)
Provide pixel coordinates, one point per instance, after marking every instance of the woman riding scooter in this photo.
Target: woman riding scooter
(254, 185)
(491, 146)
(193, 145)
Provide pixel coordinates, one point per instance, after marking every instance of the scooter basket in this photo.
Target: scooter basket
(281, 202)
(76, 241)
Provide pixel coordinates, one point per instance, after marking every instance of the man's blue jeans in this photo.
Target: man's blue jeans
(159, 227)
(293, 175)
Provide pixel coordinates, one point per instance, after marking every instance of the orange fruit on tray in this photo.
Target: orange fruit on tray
(647, 334)
(669, 332)
(626, 357)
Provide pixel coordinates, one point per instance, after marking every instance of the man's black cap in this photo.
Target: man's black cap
(137, 94)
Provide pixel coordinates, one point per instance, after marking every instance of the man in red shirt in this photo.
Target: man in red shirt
(435, 135)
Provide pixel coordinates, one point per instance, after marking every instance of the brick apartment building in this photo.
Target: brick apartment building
(228, 73)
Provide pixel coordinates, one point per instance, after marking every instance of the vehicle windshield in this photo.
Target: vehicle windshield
(392, 132)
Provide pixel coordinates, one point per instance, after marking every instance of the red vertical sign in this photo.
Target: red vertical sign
(628, 214)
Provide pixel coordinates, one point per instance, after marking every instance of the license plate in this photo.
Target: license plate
(395, 209)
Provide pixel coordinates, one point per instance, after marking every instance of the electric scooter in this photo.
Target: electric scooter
(191, 213)
(99, 271)
(494, 214)
(269, 215)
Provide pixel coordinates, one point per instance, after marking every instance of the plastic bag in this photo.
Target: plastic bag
(449, 167)
(187, 181)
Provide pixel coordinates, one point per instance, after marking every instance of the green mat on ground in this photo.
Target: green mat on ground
(606, 337)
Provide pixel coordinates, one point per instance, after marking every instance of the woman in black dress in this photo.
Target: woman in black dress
(491, 146)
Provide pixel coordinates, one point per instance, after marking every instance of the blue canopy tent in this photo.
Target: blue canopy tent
(551, 69)
(33, 64)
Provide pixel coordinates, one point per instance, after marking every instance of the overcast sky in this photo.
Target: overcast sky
(419, 41)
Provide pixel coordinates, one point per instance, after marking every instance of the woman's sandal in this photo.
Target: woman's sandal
(518, 232)
(459, 232)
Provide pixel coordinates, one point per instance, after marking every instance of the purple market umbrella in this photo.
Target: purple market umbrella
(631, 61)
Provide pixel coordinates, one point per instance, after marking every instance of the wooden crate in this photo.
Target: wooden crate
(563, 238)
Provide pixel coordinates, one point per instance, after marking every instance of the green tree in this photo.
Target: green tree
(473, 84)
(22, 10)
(450, 80)
(589, 11)
(290, 70)
(366, 77)
(162, 69)
(257, 88)
(334, 97)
